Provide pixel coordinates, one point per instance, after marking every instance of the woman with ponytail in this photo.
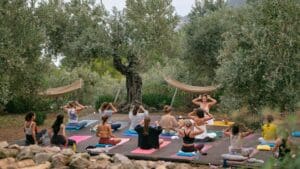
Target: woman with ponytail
(168, 122)
(148, 136)
(104, 131)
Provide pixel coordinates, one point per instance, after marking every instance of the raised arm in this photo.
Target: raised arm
(197, 101)
(113, 108)
(227, 131)
(191, 114)
(247, 133)
(212, 101)
(208, 117)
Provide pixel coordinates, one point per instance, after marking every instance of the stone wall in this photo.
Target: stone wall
(36, 157)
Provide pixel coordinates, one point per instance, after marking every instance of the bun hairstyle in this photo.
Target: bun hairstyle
(188, 123)
(167, 109)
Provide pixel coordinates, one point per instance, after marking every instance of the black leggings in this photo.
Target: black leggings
(38, 136)
(60, 140)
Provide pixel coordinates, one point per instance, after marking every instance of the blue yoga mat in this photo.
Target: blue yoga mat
(296, 134)
(130, 133)
(103, 145)
(185, 154)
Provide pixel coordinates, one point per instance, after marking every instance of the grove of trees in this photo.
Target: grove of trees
(252, 51)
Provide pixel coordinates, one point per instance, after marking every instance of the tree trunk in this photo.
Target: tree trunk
(134, 87)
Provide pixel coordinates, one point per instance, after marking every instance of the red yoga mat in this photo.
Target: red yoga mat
(150, 151)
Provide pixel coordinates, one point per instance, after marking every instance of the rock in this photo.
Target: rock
(25, 163)
(46, 165)
(67, 152)
(102, 156)
(8, 163)
(11, 152)
(25, 153)
(101, 164)
(53, 149)
(3, 144)
(79, 162)
(81, 155)
(14, 146)
(36, 149)
(59, 160)
(119, 158)
(143, 164)
(41, 158)
(161, 167)
(182, 166)
(115, 166)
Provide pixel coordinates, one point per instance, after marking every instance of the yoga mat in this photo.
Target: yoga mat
(150, 151)
(102, 149)
(89, 122)
(222, 123)
(206, 148)
(130, 134)
(79, 138)
(182, 157)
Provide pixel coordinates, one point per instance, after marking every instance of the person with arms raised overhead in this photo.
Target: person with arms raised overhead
(168, 122)
(108, 109)
(148, 136)
(104, 132)
(205, 102)
(136, 115)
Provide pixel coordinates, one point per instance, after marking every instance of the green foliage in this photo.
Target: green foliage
(102, 99)
(18, 105)
(40, 117)
(156, 100)
(203, 39)
(259, 62)
(21, 37)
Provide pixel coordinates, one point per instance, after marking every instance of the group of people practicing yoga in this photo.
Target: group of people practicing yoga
(192, 129)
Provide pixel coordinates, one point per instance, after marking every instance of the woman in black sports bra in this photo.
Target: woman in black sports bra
(188, 137)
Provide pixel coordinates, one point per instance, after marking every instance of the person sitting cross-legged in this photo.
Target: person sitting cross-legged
(104, 132)
(148, 136)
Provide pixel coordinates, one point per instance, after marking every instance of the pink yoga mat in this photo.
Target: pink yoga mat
(79, 138)
(150, 151)
(206, 147)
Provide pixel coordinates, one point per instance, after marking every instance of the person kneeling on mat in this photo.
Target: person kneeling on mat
(59, 137)
(188, 136)
(148, 136)
(200, 117)
(108, 109)
(104, 131)
(168, 122)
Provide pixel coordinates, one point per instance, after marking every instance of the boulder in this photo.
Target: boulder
(100, 164)
(25, 153)
(67, 152)
(143, 164)
(79, 162)
(25, 163)
(182, 166)
(119, 158)
(59, 160)
(8, 163)
(81, 155)
(14, 146)
(46, 165)
(53, 149)
(3, 144)
(41, 158)
(36, 149)
(102, 156)
(161, 167)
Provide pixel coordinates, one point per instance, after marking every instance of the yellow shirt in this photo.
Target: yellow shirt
(269, 132)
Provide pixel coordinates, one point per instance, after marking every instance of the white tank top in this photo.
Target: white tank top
(202, 135)
(28, 130)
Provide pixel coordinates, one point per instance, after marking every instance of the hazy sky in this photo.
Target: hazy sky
(182, 7)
